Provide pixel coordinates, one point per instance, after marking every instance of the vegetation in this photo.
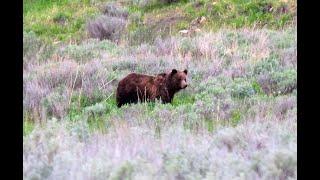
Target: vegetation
(66, 20)
(235, 120)
(58, 20)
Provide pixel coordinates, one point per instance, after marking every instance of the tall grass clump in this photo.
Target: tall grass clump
(110, 25)
(106, 27)
(35, 50)
(111, 9)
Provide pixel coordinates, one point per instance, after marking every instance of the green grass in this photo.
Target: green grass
(183, 98)
(99, 113)
(28, 126)
(101, 120)
(257, 88)
(58, 20)
(236, 117)
(210, 125)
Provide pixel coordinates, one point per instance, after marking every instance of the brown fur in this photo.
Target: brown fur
(139, 87)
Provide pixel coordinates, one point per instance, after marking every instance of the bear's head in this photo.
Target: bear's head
(177, 80)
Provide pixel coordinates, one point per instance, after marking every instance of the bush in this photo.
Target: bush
(286, 81)
(267, 65)
(187, 45)
(242, 88)
(88, 50)
(81, 53)
(106, 27)
(56, 103)
(61, 18)
(95, 110)
(284, 105)
(98, 80)
(115, 11)
(282, 82)
(50, 80)
(34, 49)
(164, 47)
(141, 35)
(143, 3)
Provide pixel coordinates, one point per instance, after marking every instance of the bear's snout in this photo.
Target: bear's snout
(184, 85)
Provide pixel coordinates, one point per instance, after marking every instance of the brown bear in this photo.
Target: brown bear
(140, 88)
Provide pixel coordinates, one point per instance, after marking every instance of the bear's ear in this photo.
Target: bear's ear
(174, 71)
(185, 71)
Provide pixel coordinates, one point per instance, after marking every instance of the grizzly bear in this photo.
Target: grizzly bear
(140, 88)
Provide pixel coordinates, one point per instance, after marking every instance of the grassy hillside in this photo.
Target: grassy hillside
(235, 120)
(159, 18)
(57, 20)
(65, 20)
